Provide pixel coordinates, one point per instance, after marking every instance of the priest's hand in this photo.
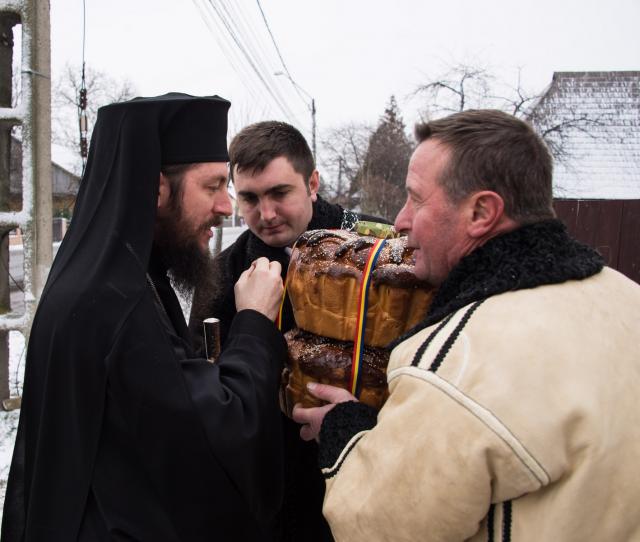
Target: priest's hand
(260, 288)
(312, 418)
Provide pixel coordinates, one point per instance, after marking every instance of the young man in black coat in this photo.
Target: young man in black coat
(125, 433)
(277, 184)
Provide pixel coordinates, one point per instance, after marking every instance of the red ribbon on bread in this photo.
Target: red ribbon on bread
(361, 323)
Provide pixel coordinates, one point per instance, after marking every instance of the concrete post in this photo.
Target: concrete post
(33, 112)
(40, 125)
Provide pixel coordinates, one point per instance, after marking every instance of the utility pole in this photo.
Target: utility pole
(311, 107)
(40, 124)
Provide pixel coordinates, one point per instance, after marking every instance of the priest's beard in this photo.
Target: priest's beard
(177, 238)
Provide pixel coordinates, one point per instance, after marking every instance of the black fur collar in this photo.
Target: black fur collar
(325, 215)
(533, 255)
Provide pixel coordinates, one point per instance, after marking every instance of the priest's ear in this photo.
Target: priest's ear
(487, 215)
(164, 192)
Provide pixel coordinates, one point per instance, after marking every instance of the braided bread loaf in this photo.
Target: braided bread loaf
(313, 358)
(323, 283)
(324, 278)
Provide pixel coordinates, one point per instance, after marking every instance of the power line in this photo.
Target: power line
(253, 63)
(244, 30)
(273, 40)
(243, 40)
(297, 88)
(233, 57)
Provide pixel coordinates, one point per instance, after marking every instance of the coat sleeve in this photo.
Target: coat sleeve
(428, 470)
(237, 401)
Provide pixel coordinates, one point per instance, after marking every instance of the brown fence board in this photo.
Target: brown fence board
(629, 260)
(610, 226)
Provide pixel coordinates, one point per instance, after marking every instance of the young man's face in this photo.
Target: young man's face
(276, 203)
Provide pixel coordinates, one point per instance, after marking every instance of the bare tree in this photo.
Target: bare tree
(557, 130)
(368, 166)
(343, 154)
(517, 100)
(460, 87)
(102, 89)
(464, 86)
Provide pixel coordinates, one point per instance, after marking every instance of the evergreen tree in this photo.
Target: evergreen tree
(382, 176)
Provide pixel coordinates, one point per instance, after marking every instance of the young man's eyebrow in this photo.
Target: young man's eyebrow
(245, 193)
(275, 188)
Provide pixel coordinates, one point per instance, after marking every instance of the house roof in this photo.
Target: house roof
(599, 143)
(64, 181)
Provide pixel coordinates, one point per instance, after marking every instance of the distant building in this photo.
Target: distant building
(64, 183)
(592, 121)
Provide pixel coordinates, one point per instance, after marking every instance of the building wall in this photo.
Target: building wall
(64, 184)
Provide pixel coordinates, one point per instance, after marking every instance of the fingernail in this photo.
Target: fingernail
(311, 386)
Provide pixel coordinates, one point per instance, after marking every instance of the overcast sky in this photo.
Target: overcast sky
(350, 55)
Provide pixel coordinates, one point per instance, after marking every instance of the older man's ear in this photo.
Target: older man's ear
(487, 217)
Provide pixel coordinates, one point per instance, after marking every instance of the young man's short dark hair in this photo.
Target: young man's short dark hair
(256, 145)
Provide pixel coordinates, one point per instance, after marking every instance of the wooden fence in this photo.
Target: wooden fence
(610, 226)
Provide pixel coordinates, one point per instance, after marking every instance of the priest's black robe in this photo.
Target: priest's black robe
(122, 427)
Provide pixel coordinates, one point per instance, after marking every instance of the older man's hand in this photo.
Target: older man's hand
(260, 288)
(311, 418)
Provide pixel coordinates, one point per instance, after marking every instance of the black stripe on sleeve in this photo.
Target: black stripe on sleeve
(435, 365)
(427, 342)
(506, 521)
(490, 520)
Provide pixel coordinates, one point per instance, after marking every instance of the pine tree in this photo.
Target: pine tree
(384, 171)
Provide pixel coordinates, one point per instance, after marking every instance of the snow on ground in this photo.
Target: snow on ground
(9, 420)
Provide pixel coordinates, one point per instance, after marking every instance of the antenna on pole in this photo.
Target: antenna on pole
(82, 99)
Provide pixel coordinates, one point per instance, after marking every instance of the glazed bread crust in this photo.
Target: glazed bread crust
(319, 359)
(324, 279)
